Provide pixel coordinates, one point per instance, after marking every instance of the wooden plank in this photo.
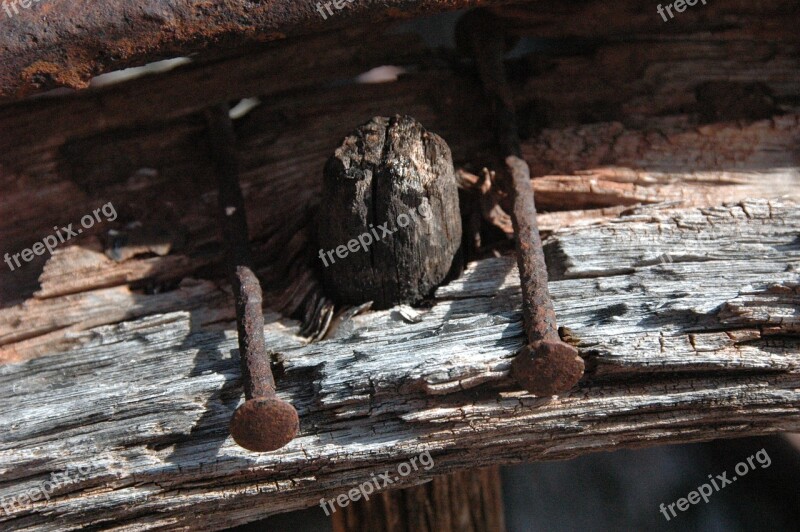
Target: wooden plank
(687, 319)
(658, 73)
(630, 19)
(605, 169)
(302, 63)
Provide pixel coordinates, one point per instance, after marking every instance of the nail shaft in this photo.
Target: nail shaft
(546, 365)
(264, 422)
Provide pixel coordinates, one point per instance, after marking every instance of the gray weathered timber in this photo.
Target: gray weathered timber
(688, 321)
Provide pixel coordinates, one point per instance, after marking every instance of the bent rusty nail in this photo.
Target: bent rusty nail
(263, 422)
(546, 365)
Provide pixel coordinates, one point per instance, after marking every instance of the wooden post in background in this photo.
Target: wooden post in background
(468, 501)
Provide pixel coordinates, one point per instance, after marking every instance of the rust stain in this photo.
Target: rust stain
(65, 42)
(45, 72)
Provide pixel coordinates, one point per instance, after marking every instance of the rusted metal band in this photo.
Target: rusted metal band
(56, 43)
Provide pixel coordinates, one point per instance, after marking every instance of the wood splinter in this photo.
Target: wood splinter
(546, 365)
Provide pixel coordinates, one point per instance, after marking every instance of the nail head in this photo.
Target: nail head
(264, 424)
(547, 367)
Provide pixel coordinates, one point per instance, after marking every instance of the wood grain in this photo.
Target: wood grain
(703, 345)
(684, 309)
(467, 501)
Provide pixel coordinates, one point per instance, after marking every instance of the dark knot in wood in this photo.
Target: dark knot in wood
(389, 225)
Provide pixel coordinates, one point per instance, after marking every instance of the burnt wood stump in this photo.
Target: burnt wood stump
(389, 225)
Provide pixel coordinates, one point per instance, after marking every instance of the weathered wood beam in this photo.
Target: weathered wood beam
(284, 67)
(633, 20)
(64, 43)
(597, 80)
(688, 321)
(81, 288)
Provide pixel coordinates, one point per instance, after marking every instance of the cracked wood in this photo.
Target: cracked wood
(699, 346)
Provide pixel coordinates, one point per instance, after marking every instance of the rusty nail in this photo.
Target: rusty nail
(546, 365)
(264, 422)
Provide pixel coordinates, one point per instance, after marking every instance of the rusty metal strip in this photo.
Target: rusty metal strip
(63, 43)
